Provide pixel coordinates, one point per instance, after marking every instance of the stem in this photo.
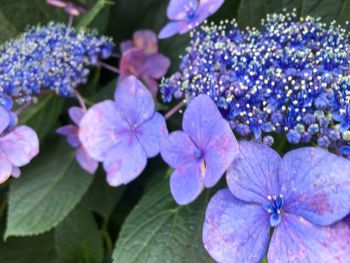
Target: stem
(174, 110)
(70, 21)
(80, 100)
(109, 67)
(3, 205)
(22, 108)
(107, 239)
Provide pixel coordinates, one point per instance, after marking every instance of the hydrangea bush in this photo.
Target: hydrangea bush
(180, 131)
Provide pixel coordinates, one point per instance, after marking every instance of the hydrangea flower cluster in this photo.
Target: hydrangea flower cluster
(292, 77)
(302, 196)
(53, 56)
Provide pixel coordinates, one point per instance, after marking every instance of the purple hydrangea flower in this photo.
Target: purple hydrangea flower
(18, 145)
(301, 195)
(201, 153)
(141, 59)
(187, 14)
(71, 131)
(123, 133)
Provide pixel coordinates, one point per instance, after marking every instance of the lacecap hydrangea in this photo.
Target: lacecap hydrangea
(52, 56)
(291, 76)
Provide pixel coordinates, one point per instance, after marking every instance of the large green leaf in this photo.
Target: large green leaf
(158, 230)
(327, 9)
(43, 115)
(93, 13)
(78, 239)
(47, 191)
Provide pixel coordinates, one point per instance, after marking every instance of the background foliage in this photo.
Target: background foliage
(56, 212)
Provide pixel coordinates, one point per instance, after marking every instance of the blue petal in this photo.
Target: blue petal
(179, 9)
(275, 219)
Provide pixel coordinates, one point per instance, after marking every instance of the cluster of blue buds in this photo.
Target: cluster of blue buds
(53, 56)
(292, 76)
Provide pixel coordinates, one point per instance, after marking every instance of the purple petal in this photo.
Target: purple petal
(76, 114)
(20, 145)
(209, 7)
(147, 40)
(186, 182)
(4, 119)
(152, 84)
(86, 161)
(297, 240)
(235, 231)
(315, 185)
(169, 30)
(125, 161)
(200, 120)
(126, 45)
(68, 130)
(156, 65)
(133, 62)
(151, 133)
(134, 101)
(5, 167)
(102, 127)
(16, 172)
(57, 3)
(177, 149)
(253, 175)
(179, 9)
(219, 153)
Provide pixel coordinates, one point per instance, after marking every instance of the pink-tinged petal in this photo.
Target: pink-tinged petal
(133, 62)
(5, 167)
(253, 175)
(235, 231)
(169, 30)
(179, 9)
(16, 172)
(125, 161)
(200, 119)
(76, 114)
(151, 133)
(126, 45)
(102, 127)
(20, 145)
(134, 101)
(68, 130)
(147, 40)
(86, 161)
(315, 184)
(156, 65)
(4, 119)
(219, 153)
(57, 3)
(209, 7)
(152, 84)
(186, 182)
(177, 149)
(296, 240)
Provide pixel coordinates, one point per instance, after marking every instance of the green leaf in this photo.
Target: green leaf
(158, 230)
(102, 198)
(43, 115)
(47, 191)
(327, 9)
(39, 249)
(78, 239)
(89, 17)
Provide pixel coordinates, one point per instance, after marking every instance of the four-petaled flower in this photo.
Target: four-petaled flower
(18, 145)
(141, 59)
(72, 131)
(187, 14)
(123, 133)
(302, 195)
(201, 153)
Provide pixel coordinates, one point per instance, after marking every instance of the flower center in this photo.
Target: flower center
(191, 10)
(198, 153)
(274, 208)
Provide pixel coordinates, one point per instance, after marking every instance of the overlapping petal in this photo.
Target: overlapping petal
(186, 182)
(125, 161)
(4, 119)
(101, 128)
(147, 40)
(315, 185)
(171, 29)
(296, 240)
(76, 114)
(134, 101)
(151, 133)
(5, 167)
(177, 9)
(86, 161)
(235, 231)
(156, 65)
(20, 145)
(254, 174)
